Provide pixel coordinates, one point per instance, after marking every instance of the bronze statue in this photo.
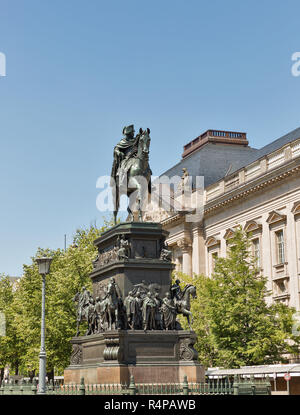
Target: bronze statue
(165, 253)
(125, 149)
(123, 250)
(141, 309)
(130, 306)
(114, 305)
(169, 312)
(158, 312)
(131, 171)
(183, 304)
(176, 292)
(142, 288)
(91, 317)
(149, 310)
(83, 301)
(138, 318)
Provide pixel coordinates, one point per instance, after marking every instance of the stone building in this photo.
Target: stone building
(256, 188)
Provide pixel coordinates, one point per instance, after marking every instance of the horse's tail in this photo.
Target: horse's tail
(116, 199)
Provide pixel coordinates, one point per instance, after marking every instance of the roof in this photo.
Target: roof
(216, 161)
(270, 148)
(278, 369)
(213, 161)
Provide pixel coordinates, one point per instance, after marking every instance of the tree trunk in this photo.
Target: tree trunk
(1, 374)
(31, 374)
(50, 375)
(17, 367)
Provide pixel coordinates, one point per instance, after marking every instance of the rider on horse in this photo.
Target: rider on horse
(176, 292)
(123, 151)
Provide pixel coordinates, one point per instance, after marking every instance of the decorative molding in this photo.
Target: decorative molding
(229, 233)
(76, 356)
(172, 219)
(112, 349)
(252, 225)
(245, 193)
(187, 351)
(296, 208)
(275, 216)
(212, 241)
(184, 244)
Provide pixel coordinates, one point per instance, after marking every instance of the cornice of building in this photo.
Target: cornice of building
(172, 219)
(289, 168)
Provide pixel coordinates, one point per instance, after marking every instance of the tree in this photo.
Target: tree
(10, 344)
(234, 324)
(70, 271)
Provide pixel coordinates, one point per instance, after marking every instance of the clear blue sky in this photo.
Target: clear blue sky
(78, 71)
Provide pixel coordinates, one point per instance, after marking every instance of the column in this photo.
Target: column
(198, 254)
(186, 249)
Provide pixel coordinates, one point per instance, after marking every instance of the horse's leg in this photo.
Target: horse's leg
(117, 323)
(108, 319)
(111, 320)
(188, 314)
(139, 201)
(77, 328)
(134, 195)
(130, 213)
(142, 188)
(79, 317)
(116, 196)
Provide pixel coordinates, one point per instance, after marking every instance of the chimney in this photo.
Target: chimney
(215, 136)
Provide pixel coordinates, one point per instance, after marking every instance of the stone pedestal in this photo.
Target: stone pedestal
(143, 261)
(111, 356)
(152, 357)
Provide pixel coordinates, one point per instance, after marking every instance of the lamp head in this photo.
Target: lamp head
(44, 265)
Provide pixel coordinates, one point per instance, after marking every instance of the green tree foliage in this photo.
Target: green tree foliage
(234, 323)
(10, 344)
(70, 271)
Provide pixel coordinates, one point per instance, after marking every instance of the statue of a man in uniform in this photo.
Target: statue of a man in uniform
(123, 152)
(130, 306)
(169, 312)
(176, 292)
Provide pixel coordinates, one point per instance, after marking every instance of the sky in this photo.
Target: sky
(78, 71)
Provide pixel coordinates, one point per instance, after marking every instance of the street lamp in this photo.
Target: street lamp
(44, 268)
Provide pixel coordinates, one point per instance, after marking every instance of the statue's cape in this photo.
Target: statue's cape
(122, 145)
(126, 143)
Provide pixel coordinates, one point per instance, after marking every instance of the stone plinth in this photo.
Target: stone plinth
(145, 240)
(111, 356)
(154, 356)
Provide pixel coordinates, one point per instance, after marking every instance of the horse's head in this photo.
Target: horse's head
(189, 290)
(144, 142)
(193, 292)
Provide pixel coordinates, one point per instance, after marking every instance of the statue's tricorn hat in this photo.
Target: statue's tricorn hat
(128, 130)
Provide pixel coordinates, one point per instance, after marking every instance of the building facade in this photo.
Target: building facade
(258, 189)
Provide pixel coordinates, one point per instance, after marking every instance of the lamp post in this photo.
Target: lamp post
(44, 268)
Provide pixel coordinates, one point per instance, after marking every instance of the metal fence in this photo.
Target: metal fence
(225, 386)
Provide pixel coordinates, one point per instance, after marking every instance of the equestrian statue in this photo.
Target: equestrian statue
(131, 173)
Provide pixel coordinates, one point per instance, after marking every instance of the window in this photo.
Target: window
(280, 246)
(214, 256)
(256, 251)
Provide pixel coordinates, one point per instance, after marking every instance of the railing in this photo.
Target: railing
(217, 134)
(252, 171)
(223, 386)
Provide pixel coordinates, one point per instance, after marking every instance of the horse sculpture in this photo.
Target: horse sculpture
(183, 305)
(133, 177)
(114, 308)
